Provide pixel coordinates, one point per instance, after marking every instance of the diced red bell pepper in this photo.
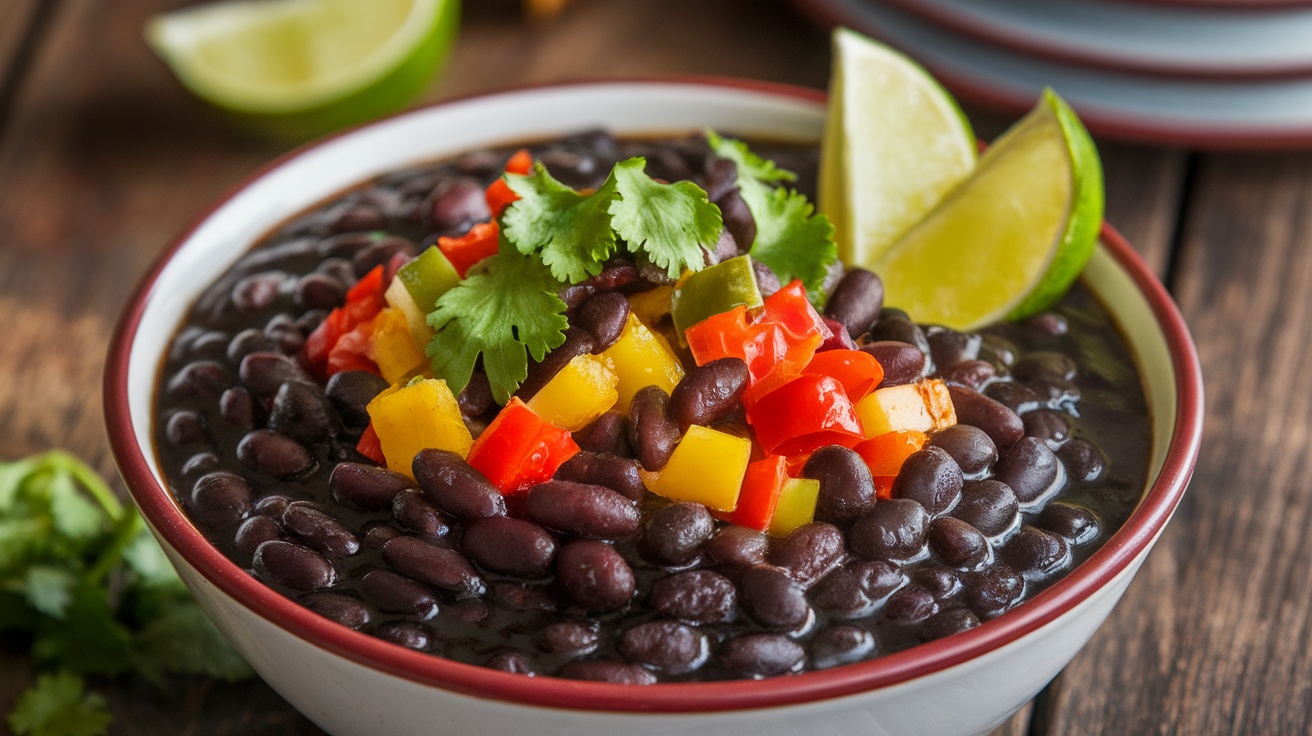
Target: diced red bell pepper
(884, 486)
(807, 413)
(370, 446)
(353, 350)
(790, 309)
(364, 301)
(885, 454)
(499, 194)
(788, 366)
(760, 493)
(731, 335)
(858, 371)
(519, 449)
(463, 251)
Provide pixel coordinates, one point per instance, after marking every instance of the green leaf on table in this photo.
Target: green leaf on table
(183, 641)
(89, 639)
(505, 312)
(58, 705)
(673, 225)
(569, 230)
(49, 589)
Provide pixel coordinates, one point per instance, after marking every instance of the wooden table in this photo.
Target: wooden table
(103, 159)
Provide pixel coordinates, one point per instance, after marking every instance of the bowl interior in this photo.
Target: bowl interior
(301, 179)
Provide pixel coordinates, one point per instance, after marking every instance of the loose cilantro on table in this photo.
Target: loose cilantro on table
(86, 583)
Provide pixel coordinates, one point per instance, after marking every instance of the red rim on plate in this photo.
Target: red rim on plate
(1148, 519)
(1035, 44)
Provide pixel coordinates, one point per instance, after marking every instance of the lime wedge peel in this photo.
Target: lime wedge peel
(895, 143)
(1010, 239)
(306, 65)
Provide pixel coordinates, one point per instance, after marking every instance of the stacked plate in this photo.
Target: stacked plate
(1205, 73)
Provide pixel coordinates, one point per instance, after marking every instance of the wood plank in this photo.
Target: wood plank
(1216, 623)
(18, 18)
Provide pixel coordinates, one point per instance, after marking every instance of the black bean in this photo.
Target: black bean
(619, 474)
(997, 350)
(841, 644)
(738, 545)
(237, 408)
(947, 623)
(772, 598)
(319, 531)
(1045, 366)
(184, 428)
(582, 510)
(524, 597)
(1017, 397)
(949, 347)
(1084, 462)
(350, 393)
(264, 373)
(1031, 469)
(605, 670)
(1048, 324)
(1001, 424)
(675, 534)
(846, 488)
(594, 575)
(203, 379)
(301, 412)
(221, 499)
(455, 487)
(378, 533)
(840, 594)
(809, 551)
(902, 362)
(572, 638)
(341, 608)
(514, 662)
(510, 546)
(838, 338)
(258, 291)
(696, 596)
(358, 218)
(971, 447)
(993, 590)
(409, 634)
(766, 280)
(251, 534)
(285, 332)
(1079, 525)
(380, 253)
(366, 487)
(1036, 554)
(459, 202)
(393, 593)
(856, 301)
(893, 530)
(760, 655)
(438, 566)
(879, 578)
(910, 605)
(608, 434)
(726, 247)
(943, 583)
(293, 566)
(930, 477)
(343, 245)
(274, 454)
(200, 464)
(988, 505)
(957, 543)
(894, 324)
(272, 506)
(708, 393)
(668, 647)
(475, 398)
(1053, 427)
(413, 511)
(577, 342)
(653, 434)
(603, 315)
(318, 291)
(738, 219)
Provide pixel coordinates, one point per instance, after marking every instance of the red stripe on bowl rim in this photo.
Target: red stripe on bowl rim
(1144, 524)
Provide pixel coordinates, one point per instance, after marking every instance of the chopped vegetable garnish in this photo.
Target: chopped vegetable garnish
(796, 506)
(760, 493)
(571, 231)
(707, 467)
(520, 449)
(713, 291)
(925, 406)
(671, 224)
(411, 417)
(805, 414)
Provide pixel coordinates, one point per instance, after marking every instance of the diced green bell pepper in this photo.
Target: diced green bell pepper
(714, 290)
(427, 277)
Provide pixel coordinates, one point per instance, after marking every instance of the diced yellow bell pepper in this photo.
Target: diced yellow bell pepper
(398, 297)
(707, 467)
(416, 416)
(582, 391)
(796, 506)
(925, 406)
(642, 358)
(393, 349)
(652, 305)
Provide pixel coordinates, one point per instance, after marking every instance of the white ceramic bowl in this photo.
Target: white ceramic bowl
(351, 683)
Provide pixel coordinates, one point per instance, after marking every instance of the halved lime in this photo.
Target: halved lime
(1007, 241)
(303, 67)
(895, 143)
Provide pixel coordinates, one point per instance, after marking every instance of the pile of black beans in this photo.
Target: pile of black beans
(588, 575)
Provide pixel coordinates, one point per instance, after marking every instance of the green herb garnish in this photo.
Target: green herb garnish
(83, 579)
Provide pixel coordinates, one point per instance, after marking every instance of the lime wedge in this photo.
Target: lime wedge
(895, 143)
(1007, 241)
(303, 67)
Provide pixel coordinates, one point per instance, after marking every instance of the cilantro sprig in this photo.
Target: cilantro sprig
(83, 579)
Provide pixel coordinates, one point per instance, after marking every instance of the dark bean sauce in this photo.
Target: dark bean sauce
(1049, 460)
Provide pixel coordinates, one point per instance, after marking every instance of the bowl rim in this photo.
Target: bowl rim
(1125, 546)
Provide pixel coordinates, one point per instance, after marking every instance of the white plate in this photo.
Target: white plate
(1217, 44)
(1208, 114)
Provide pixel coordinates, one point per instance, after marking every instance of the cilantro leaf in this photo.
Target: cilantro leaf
(183, 641)
(49, 589)
(791, 238)
(58, 705)
(89, 639)
(671, 224)
(505, 312)
(571, 231)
